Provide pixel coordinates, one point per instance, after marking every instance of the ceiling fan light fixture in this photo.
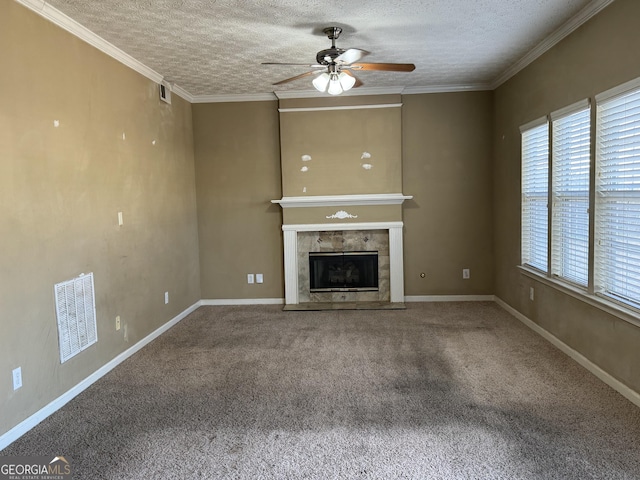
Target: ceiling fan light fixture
(335, 88)
(346, 81)
(321, 82)
(334, 83)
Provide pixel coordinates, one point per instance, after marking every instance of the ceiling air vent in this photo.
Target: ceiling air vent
(76, 311)
(165, 92)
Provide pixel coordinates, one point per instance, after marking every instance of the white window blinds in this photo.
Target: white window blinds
(570, 161)
(617, 215)
(535, 195)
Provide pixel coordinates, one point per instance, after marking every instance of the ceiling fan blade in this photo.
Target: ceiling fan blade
(310, 65)
(385, 67)
(358, 81)
(302, 75)
(351, 55)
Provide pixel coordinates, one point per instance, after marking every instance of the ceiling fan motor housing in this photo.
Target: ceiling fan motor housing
(327, 56)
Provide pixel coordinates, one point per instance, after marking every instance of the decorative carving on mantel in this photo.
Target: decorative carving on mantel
(341, 214)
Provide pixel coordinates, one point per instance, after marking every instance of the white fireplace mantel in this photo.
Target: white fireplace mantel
(342, 200)
(396, 265)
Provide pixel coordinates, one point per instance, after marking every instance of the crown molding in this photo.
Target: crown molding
(55, 16)
(260, 97)
(65, 22)
(249, 97)
(353, 92)
(42, 8)
(473, 87)
(181, 92)
(339, 107)
(579, 19)
(297, 94)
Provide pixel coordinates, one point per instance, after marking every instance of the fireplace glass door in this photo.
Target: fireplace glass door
(343, 271)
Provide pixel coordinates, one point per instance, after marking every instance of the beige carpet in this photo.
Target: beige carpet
(438, 391)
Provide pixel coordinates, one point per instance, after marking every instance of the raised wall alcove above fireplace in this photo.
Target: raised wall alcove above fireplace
(341, 164)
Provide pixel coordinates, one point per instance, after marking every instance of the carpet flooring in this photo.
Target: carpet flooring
(436, 391)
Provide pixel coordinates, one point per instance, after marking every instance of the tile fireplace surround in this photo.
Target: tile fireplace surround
(386, 237)
(343, 241)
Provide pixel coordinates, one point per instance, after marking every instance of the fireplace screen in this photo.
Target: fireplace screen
(351, 271)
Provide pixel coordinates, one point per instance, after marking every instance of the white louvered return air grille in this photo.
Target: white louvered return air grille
(76, 311)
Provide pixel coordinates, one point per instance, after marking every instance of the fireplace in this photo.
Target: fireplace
(343, 223)
(343, 271)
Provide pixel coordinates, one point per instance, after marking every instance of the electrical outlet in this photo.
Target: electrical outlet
(118, 322)
(166, 297)
(259, 278)
(17, 378)
(531, 293)
(466, 274)
(250, 278)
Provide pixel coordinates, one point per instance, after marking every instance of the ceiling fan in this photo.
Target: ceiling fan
(335, 67)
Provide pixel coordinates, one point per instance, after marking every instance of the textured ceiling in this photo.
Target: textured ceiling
(215, 47)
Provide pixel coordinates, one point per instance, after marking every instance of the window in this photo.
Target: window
(617, 199)
(571, 161)
(564, 172)
(569, 205)
(535, 194)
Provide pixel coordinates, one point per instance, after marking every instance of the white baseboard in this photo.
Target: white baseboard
(26, 425)
(414, 298)
(243, 301)
(449, 298)
(607, 378)
(280, 301)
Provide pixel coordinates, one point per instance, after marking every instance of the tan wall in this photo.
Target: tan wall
(447, 168)
(336, 141)
(60, 191)
(238, 174)
(603, 53)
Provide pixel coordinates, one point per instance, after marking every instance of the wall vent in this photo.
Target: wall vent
(165, 92)
(76, 312)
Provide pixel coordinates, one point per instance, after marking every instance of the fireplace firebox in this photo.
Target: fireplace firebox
(343, 271)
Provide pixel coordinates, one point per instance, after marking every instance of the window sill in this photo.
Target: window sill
(627, 314)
